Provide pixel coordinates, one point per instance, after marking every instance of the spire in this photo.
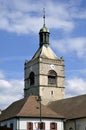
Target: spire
(44, 16)
(44, 32)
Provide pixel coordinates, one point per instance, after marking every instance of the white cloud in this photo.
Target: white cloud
(1, 75)
(26, 16)
(10, 90)
(77, 45)
(65, 25)
(16, 16)
(75, 86)
(4, 83)
(82, 14)
(23, 16)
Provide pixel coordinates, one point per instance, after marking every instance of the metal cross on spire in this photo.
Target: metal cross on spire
(44, 16)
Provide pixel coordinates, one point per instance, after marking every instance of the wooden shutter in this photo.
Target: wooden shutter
(53, 126)
(42, 125)
(50, 126)
(29, 126)
(56, 126)
(38, 125)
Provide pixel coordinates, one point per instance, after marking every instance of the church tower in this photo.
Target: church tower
(44, 73)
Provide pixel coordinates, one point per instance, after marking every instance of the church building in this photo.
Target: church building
(44, 106)
(44, 80)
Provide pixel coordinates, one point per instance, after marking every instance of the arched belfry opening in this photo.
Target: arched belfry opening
(52, 78)
(31, 78)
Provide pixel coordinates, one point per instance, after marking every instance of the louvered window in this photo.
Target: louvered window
(52, 77)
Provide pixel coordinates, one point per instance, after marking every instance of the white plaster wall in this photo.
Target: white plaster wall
(23, 123)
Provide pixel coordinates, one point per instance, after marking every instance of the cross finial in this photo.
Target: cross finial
(44, 16)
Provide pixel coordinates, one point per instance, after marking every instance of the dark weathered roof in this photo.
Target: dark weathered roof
(28, 107)
(74, 107)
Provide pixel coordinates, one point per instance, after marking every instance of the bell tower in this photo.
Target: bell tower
(44, 73)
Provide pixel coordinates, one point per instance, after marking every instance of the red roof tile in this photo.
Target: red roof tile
(74, 107)
(28, 107)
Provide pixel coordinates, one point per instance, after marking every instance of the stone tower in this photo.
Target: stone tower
(44, 73)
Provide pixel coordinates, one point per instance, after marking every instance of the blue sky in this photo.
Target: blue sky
(20, 22)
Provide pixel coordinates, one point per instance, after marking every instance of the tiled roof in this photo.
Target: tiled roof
(74, 107)
(28, 107)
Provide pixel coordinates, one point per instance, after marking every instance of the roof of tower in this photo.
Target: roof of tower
(45, 52)
(28, 107)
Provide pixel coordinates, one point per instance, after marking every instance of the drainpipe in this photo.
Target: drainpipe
(18, 124)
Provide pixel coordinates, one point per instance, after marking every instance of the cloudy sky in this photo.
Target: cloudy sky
(20, 22)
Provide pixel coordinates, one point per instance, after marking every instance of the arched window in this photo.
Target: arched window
(31, 78)
(52, 77)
